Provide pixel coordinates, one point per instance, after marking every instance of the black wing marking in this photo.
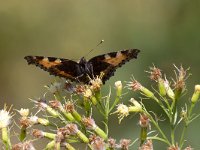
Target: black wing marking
(108, 63)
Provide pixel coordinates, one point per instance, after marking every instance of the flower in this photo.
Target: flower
(124, 144)
(134, 85)
(173, 147)
(27, 145)
(118, 85)
(97, 143)
(5, 118)
(123, 111)
(155, 73)
(33, 120)
(72, 128)
(196, 94)
(179, 84)
(96, 83)
(89, 122)
(147, 146)
(112, 143)
(23, 112)
(37, 133)
(87, 93)
(55, 87)
(137, 106)
(144, 120)
(168, 89)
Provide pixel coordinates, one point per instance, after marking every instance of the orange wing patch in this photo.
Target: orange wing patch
(47, 64)
(115, 60)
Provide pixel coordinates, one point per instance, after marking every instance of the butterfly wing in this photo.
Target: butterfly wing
(56, 66)
(108, 63)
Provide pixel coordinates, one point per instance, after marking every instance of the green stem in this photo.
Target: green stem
(161, 105)
(6, 138)
(158, 128)
(181, 143)
(58, 96)
(173, 121)
(106, 123)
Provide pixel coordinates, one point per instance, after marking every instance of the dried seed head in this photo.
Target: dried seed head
(144, 120)
(25, 122)
(38, 133)
(173, 147)
(124, 144)
(69, 106)
(134, 85)
(72, 128)
(147, 146)
(55, 104)
(155, 73)
(97, 143)
(89, 122)
(112, 143)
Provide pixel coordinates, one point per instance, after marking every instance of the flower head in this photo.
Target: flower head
(112, 143)
(55, 87)
(37, 133)
(27, 145)
(124, 144)
(96, 83)
(168, 89)
(179, 84)
(147, 146)
(134, 85)
(118, 85)
(5, 118)
(123, 111)
(196, 94)
(24, 112)
(87, 93)
(89, 122)
(137, 106)
(155, 73)
(72, 128)
(144, 120)
(97, 143)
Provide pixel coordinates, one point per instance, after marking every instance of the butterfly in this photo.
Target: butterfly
(83, 71)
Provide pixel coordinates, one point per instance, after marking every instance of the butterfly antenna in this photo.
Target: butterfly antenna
(94, 47)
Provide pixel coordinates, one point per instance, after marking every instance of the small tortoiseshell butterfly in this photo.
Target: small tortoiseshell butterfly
(83, 70)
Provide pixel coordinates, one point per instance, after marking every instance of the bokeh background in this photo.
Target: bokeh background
(166, 32)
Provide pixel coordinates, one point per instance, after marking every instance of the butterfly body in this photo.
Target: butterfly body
(84, 70)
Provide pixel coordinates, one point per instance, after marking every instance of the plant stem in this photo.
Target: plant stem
(158, 128)
(181, 143)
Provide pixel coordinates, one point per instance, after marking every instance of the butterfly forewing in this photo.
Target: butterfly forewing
(55, 66)
(108, 63)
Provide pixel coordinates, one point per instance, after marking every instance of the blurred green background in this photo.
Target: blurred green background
(166, 31)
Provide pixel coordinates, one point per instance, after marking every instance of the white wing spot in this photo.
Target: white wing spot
(118, 54)
(107, 56)
(58, 61)
(45, 59)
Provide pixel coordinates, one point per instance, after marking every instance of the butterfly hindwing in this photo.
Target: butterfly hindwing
(56, 66)
(108, 63)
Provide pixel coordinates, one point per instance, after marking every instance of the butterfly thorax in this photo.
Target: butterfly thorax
(85, 67)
